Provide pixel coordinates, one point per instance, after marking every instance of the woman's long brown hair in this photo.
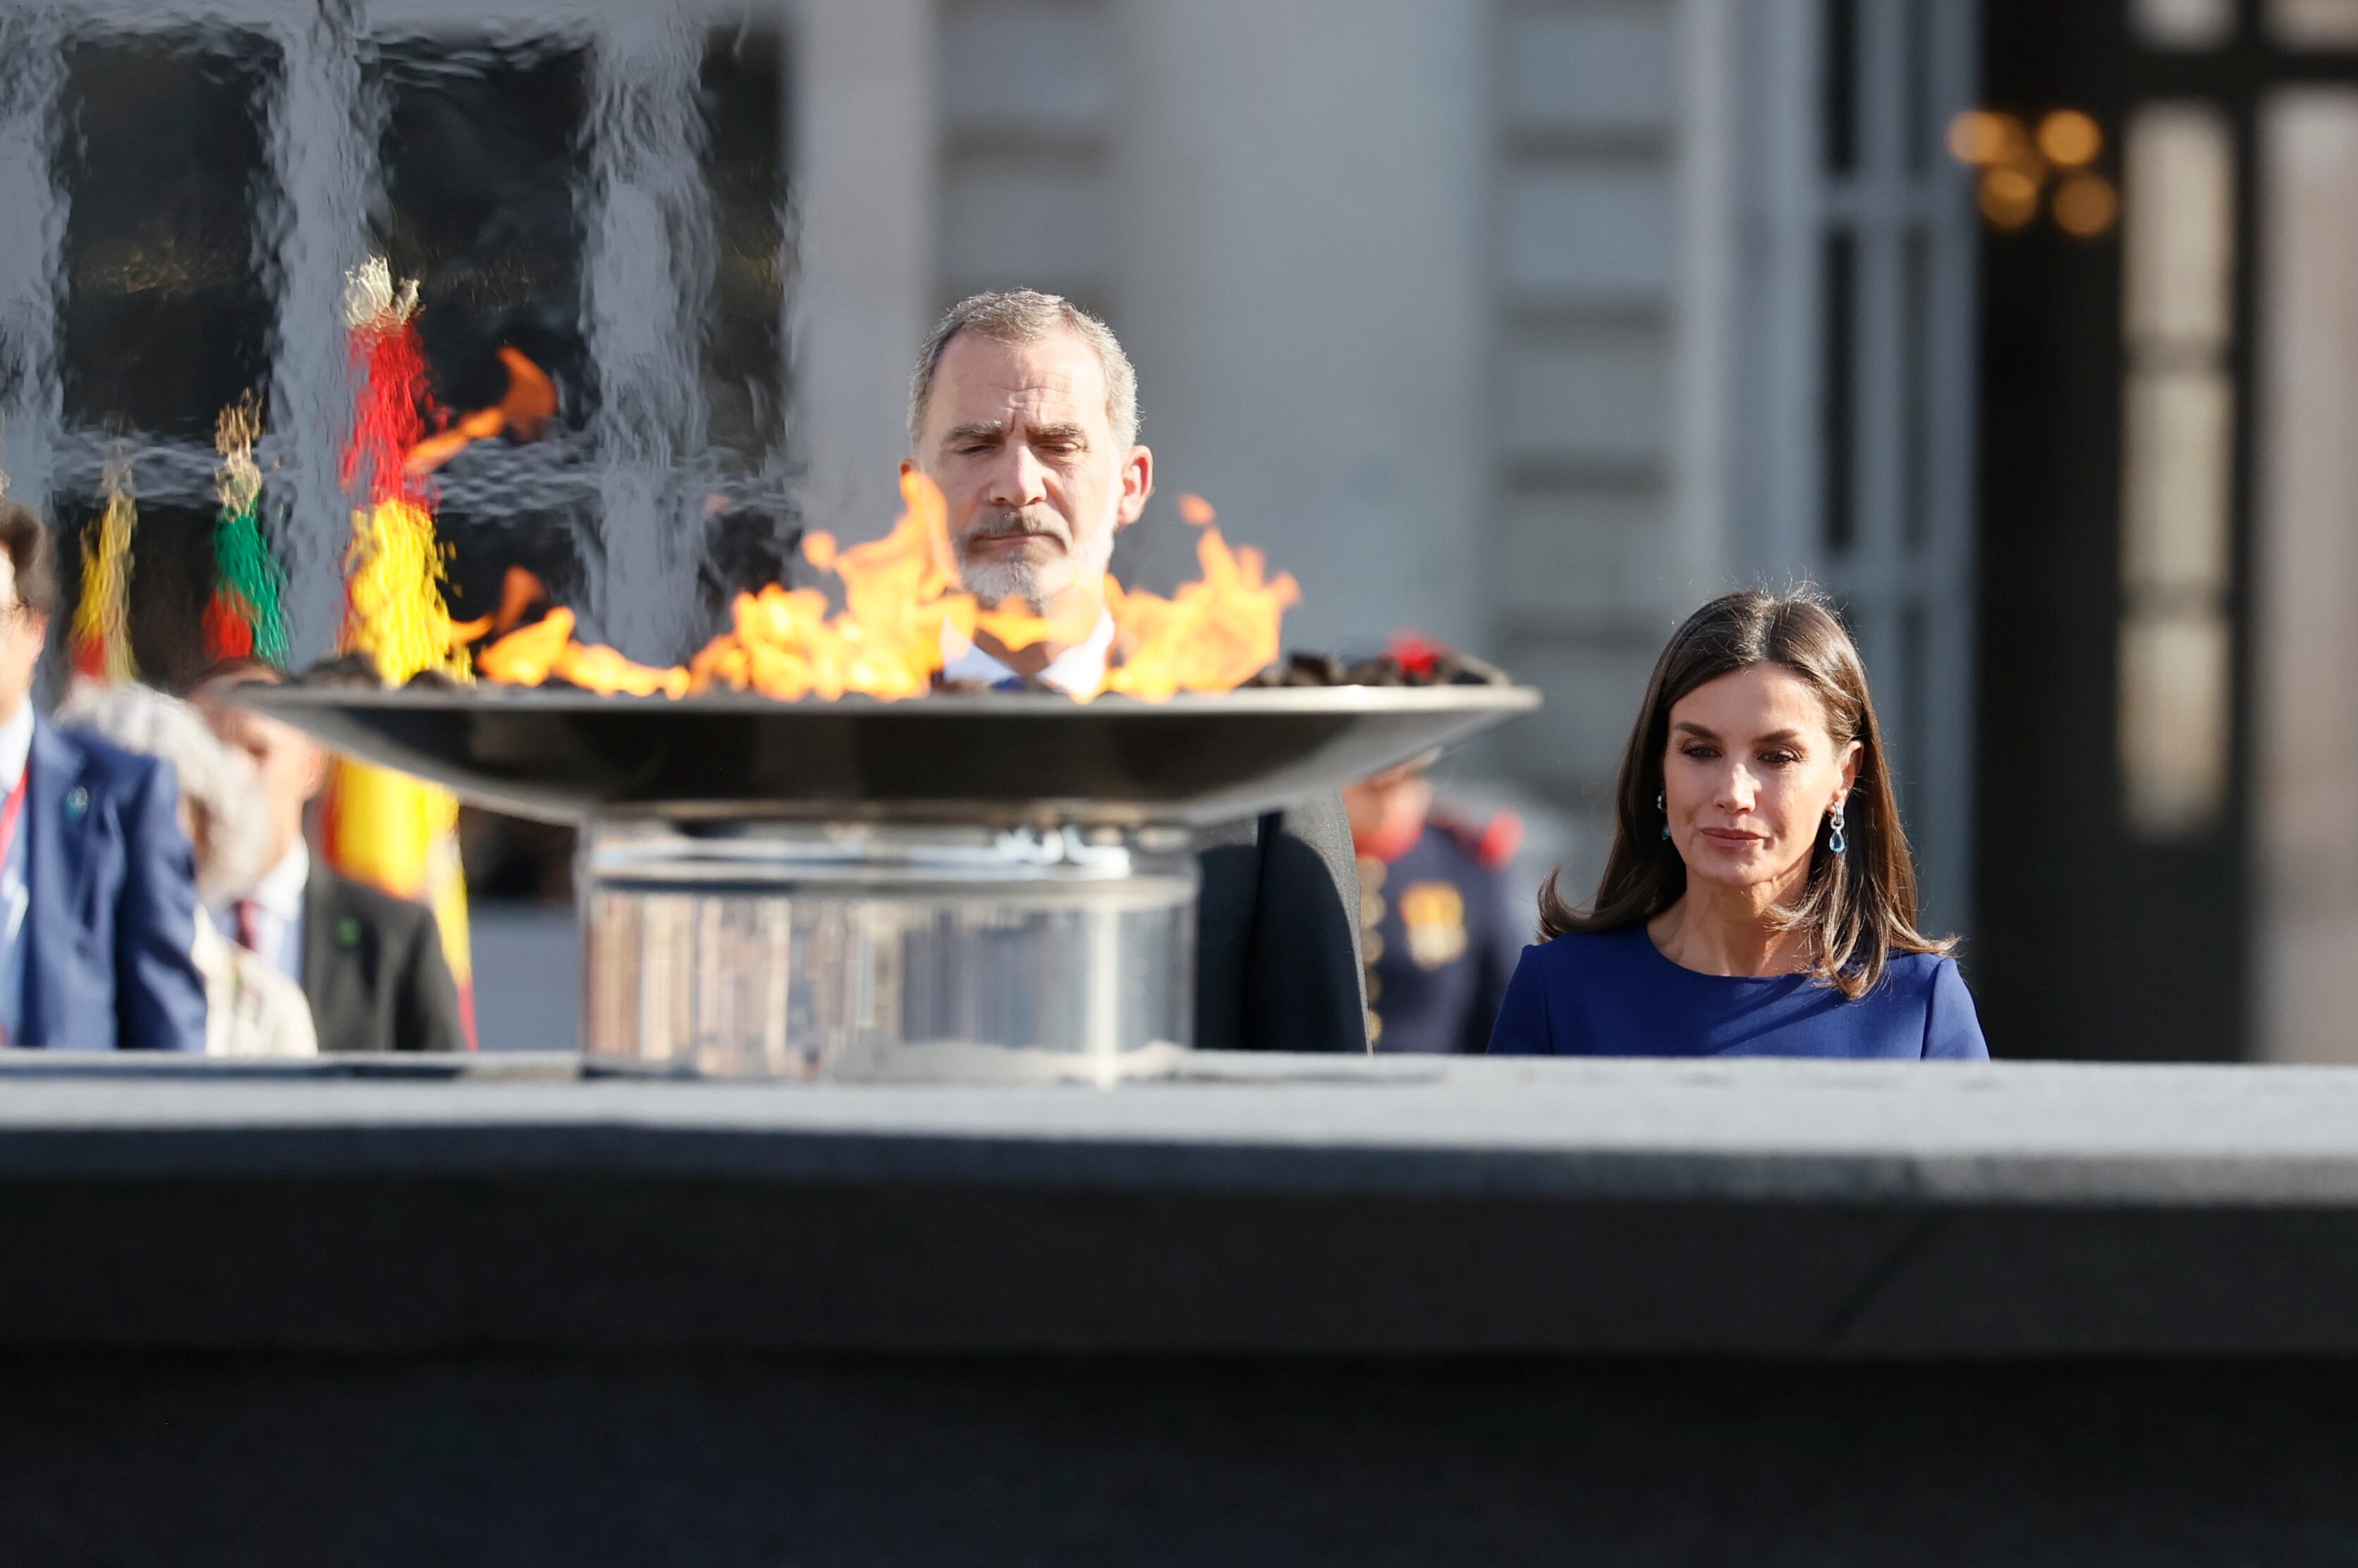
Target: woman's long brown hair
(1858, 907)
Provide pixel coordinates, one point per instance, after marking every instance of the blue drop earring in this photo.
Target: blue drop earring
(1836, 840)
(1666, 815)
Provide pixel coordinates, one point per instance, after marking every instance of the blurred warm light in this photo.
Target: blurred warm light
(2086, 205)
(2070, 139)
(1984, 136)
(2009, 198)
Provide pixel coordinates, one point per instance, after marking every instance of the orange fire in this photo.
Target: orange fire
(902, 603)
(546, 648)
(1214, 634)
(525, 409)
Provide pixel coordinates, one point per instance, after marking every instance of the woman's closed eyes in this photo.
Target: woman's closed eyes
(1780, 758)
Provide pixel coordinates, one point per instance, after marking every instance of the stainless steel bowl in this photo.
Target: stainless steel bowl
(999, 758)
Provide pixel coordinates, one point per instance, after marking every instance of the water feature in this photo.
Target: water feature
(325, 122)
(597, 186)
(649, 278)
(30, 79)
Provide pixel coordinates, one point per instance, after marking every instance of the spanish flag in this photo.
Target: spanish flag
(386, 828)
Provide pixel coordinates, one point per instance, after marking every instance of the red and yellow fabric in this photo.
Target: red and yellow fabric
(100, 636)
(384, 828)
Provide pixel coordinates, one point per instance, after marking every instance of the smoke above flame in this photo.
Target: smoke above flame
(902, 605)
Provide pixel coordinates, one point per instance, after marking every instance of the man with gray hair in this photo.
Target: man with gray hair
(1023, 411)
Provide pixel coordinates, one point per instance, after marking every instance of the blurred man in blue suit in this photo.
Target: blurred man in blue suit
(98, 894)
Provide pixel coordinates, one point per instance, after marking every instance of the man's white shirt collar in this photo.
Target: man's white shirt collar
(1079, 668)
(280, 890)
(16, 745)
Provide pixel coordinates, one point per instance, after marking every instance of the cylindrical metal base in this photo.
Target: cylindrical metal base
(873, 951)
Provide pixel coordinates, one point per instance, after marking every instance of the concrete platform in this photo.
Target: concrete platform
(1313, 1309)
(1390, 1204)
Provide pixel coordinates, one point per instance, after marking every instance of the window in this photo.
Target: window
(2182, 24)
(2177, 464)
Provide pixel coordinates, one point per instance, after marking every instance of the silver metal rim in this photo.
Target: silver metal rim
(1268, 700)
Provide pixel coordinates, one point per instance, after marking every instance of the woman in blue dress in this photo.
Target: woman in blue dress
(1758, 899)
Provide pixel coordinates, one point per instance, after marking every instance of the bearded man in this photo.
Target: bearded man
(1023, 410)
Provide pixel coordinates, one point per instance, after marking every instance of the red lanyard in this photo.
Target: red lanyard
(13, 810)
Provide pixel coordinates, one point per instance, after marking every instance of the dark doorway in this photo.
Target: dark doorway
(2118, 916)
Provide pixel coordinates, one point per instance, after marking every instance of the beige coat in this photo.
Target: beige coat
(250, 1009)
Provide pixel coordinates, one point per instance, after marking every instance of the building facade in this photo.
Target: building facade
(1529, 324)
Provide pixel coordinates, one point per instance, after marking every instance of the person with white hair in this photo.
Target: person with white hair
(250, 1009)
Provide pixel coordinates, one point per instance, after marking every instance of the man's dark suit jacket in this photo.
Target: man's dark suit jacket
(1277, 935)
(111, 920)
(373, 970)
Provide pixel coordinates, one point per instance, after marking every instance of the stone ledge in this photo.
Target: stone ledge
(1291, 1204)
(1769, 1132)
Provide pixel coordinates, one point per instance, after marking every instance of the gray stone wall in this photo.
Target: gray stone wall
(1403, 289)
(1587, 309)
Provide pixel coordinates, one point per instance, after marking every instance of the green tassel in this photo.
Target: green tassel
(253, 580)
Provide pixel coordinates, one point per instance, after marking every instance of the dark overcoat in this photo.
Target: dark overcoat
(373, 970)
(1277, 949)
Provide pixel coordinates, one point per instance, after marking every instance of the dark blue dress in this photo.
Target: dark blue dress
(1613, 994)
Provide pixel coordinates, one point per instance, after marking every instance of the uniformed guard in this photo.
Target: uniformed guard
(1434, 914)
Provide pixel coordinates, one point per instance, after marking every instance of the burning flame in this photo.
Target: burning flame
(1214, 634)
(525, 409)
(901, 598)
(546, 648)
(902, 604)
(886, 641)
